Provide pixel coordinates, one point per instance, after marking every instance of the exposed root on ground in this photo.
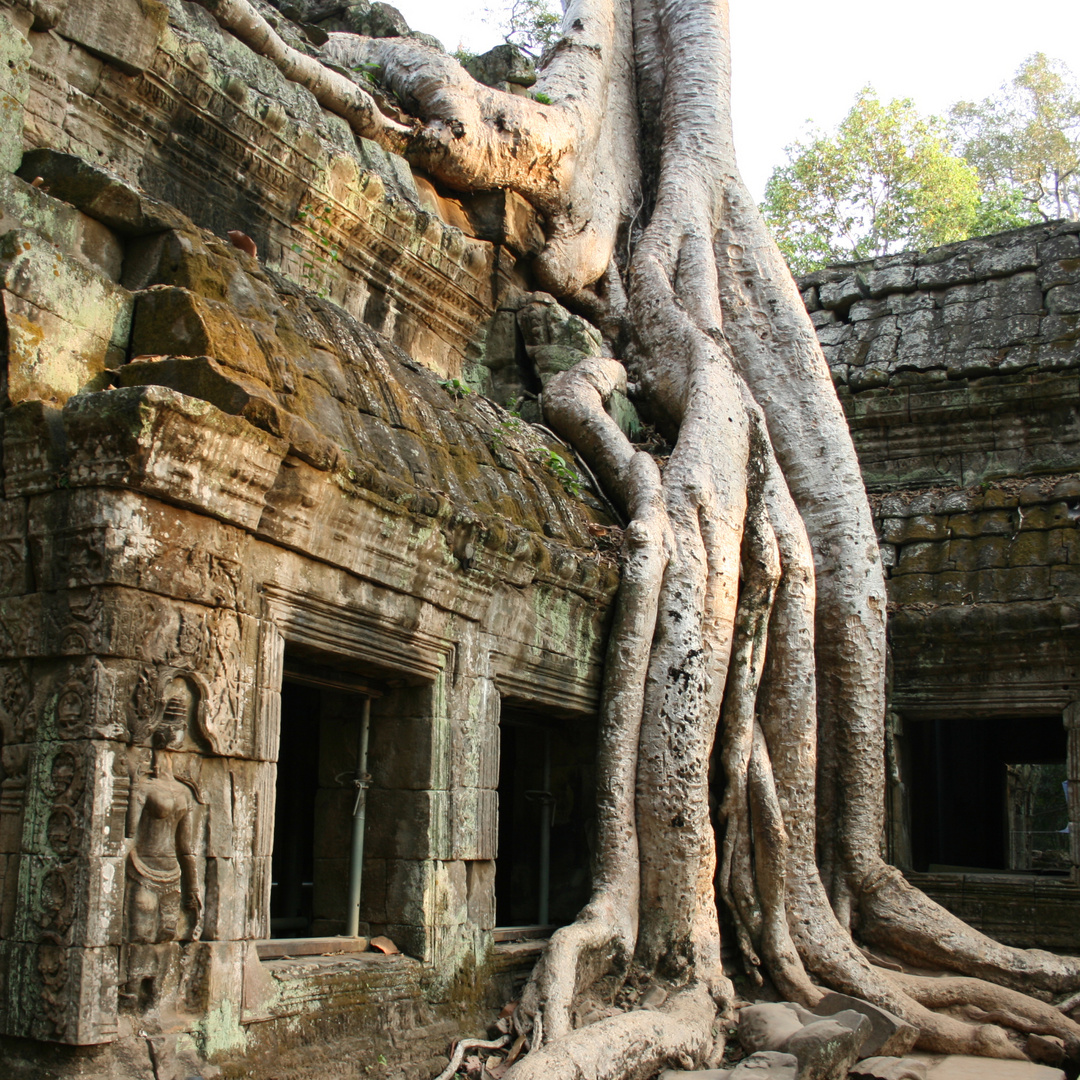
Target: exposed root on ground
(463, 1047)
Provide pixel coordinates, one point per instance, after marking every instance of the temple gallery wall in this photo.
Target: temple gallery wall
(263, 516)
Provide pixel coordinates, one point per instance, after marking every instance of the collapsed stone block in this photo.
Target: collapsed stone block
(769, 1026)
(97, 193)
(889, 1036)
(826, 1050)
(65, 323)
(172, 321)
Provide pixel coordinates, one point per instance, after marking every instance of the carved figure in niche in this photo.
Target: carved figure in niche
(64, 785)
(166, 824)
(165, 816)
(69, 712)
(53, 970)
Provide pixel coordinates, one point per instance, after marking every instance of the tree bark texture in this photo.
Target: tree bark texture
(750, 625)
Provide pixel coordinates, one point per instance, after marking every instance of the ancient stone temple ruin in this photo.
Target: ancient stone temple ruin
(958, 372)
(284, 545)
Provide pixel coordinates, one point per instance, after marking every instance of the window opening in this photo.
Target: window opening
(988, 794)
(321, 803)
(546, 818)
(1038, 811)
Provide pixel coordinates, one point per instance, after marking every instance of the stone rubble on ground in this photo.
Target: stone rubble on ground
(890, 1068)
(766, 1065)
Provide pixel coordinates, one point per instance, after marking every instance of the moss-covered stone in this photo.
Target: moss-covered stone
(65, 323)
(14, 89)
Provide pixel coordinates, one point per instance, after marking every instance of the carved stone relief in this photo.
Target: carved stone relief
(83, 703)
(16, 731)
(14, 577)
(16, 723)
(165, 867)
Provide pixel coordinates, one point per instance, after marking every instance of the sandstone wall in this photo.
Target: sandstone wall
(212, 463)
(959, 371)
(165, 100)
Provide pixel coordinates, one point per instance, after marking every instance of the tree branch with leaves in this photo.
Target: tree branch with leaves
(1025, 140)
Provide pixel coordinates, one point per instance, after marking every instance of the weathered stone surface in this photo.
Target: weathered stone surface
(304, 164)
(766, 1065)
(840, 295)
(65, 323)
(97, 193)
(14, 89)
(165, 443)
(59, 993)
(965, 1067)
(769, 1026)
(501, 66)
(177, 321)
(890, 1068)
(555, 339)
(889, 1036)
(87, 537)
(827, 1049)
(203, 378)
(1046, 1050)
(23, 206)
(126, 32)
(375, 19)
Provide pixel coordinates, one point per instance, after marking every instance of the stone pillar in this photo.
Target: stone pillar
(897, 805)
(1072, 726)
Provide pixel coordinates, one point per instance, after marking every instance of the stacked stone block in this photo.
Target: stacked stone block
(958, 365)
(958, 371)
(204, 464)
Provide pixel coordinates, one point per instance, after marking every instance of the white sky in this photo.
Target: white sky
(795, 61)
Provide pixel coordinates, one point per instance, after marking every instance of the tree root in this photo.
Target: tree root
(1069, 1004)
(631, 1046)
(904, 921)
(464, 1046)
(999, 1005)
(752, 595)
(331, 89)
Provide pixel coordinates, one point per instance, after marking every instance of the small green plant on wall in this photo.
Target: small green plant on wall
(456, 388)
(566, 476)
(318, 258)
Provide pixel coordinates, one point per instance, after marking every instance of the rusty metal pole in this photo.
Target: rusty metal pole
(356, 860)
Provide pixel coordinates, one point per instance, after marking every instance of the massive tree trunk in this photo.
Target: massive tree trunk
(750, 625)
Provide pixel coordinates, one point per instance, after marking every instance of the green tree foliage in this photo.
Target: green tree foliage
(885, 180)
(531, 25)
(1025, 140)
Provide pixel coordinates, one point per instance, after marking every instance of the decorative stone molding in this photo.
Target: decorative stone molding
(364, 637)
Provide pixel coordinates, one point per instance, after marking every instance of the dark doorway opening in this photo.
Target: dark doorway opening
(318, 757)
(293, 864)
(547, 786)
(988, 794)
